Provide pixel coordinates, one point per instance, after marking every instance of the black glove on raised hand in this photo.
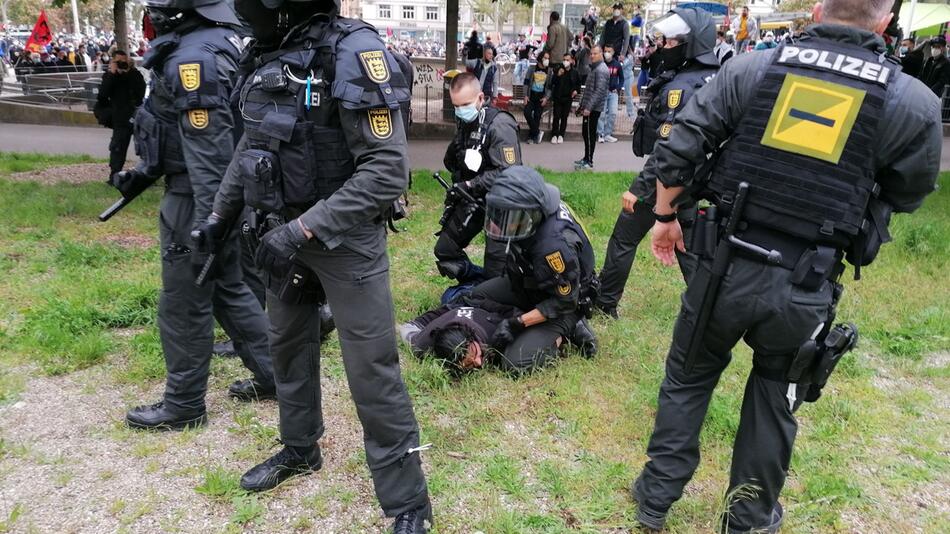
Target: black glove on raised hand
(131, 183)
(506, 332)
(278, 248)
(210, 234)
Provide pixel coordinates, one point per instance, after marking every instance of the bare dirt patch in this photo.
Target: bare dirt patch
(80, 173)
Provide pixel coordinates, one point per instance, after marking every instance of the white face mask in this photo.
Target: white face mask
(617, 13)
(544, 62)
(473, 159)
(608, 56)
(936, 52)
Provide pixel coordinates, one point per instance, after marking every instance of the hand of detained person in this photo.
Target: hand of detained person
(279, 246)
(627, 201)
(209, 234)
(130, 183)
(506, 332)
(667, 238)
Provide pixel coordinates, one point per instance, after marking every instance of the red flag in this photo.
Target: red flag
(41, 35)
(148, 31)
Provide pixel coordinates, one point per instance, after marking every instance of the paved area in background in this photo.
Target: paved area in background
(423, 153)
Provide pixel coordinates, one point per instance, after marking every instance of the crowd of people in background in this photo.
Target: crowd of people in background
(65, 54)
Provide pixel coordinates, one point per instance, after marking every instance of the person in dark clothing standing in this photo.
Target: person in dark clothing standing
(798, 206)
(912, 57)
(616, 32)
(473, 51)
(536, 83)
(563, 88)
(121, 91)
(589, 21)
(936, 71)
(592, 103)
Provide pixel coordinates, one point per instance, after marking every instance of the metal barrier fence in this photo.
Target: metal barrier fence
(945, 100)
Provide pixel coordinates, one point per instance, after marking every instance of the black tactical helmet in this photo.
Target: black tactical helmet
(274, 4)
(213, 10)
(694, 27)
(517, 203)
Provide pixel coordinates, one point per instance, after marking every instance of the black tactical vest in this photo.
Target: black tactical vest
(666, 95)
(806, 143)
(474, 135)
(297, 153)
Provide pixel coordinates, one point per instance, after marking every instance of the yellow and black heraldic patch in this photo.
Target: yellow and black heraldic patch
(380, 123)
(198, 118)
(509, 152)
(666, 129)
(674, 98)
(190, 75)
(564, 289)
(374, 63)
(813, 117)
(556, 261)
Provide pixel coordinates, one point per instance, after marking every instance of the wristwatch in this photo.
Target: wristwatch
(668, 218)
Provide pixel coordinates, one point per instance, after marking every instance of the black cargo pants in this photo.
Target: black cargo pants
(757, 303)
(357, 288)
(185, 320)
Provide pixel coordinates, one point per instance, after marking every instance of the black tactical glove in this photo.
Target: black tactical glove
(459, 192)
(210, 235)
(278, 248)
(131, 183)
(506, 332)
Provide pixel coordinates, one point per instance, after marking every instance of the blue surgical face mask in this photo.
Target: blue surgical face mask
(467, 113)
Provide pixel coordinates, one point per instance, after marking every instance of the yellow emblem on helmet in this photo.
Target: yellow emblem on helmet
(380, 122)
(190, 75)
(509, 152)
(665, 130)
(556, 261)
(198, 118)
(674, 98)
(374, 63)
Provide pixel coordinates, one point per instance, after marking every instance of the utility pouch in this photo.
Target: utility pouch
(638, 137)
(148, 142)
(815, 265)
(301, 286)
(840, 340)
(260, 170)
(872, 235)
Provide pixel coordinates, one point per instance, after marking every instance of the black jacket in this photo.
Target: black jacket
(564, 83)
(119, 95)
(936, 74)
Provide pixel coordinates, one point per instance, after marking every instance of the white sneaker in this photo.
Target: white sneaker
(610, 139)
(553, 139)
(600, 139)
(540, 137)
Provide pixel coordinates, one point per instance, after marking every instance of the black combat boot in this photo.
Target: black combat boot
(288, 462)
(417, 521)
(250, 390)
(158, 417)
(224, 349)
(584, 339)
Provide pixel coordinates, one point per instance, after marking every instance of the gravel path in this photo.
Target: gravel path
(70, 465)
(79, 173)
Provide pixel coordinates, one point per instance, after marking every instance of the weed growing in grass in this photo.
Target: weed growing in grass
(220, 483)
(504, 473)
(15, 514)
(247, 509)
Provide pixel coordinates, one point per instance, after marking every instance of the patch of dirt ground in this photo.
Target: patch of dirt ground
(69, 465)
(79, 173)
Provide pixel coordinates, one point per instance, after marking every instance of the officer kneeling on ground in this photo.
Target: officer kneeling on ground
(823, 140)
(687, 63)
(323, 158)
(549, 271)
(485, 143)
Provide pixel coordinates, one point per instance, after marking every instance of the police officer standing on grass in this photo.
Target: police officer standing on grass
(822, 141)
(184, 133)
(323, 158)
(550, 272)
(687, 63)
(485, 144)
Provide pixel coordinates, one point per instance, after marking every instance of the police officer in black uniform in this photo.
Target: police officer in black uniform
(485, 143)
(686, 64)
(549, 271)
(184, 133)
(823, 140)
(323, 158)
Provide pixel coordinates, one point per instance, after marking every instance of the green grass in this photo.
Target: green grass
(552, 452)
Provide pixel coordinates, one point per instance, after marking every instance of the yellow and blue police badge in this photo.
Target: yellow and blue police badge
(509, 153)
(564, 289)
(556, 261)
(380, 123)
(190, 75)
(198, 118)
(674, 98)
(666, 129)
(375, 66)
(813, 117)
